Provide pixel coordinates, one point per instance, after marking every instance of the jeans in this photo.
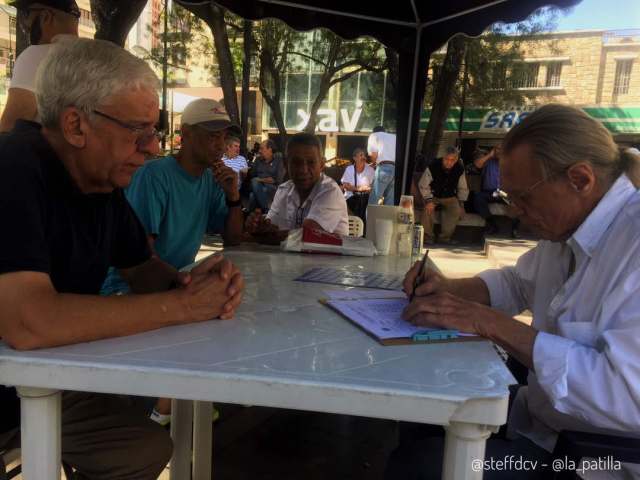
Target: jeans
(383, 185)
(263, 193)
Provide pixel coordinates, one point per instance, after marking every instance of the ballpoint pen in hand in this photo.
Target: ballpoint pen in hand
(418, 279)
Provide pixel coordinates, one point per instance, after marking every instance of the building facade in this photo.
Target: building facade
(596, 70)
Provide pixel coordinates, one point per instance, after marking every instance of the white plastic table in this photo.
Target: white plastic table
(283, 349)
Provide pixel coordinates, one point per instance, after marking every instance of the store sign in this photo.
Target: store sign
(328, 119)
(502, 121)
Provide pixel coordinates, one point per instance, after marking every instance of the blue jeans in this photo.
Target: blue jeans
(263, 193)
(383, 184)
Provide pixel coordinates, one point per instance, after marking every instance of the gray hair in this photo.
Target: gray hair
(451, 151)
(85, 73)
(561, 136)
(359, 150)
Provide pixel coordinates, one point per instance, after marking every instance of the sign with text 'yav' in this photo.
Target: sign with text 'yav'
(502, 121)
(328, 119)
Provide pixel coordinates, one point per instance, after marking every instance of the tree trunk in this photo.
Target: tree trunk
(213, 16)
(114, 18)
(273, 100)
(225, 62)
(325, 83)
(447, 81)
(246, 73)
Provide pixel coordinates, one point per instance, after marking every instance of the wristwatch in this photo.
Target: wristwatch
(233, 203)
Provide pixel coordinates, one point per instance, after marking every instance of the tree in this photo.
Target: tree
(113, 18)
(338, 60)
(484, 71)
(274, 42)
(448, 74)
(246, 77)
(214, 17)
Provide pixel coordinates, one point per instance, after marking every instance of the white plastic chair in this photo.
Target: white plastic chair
(356, 226)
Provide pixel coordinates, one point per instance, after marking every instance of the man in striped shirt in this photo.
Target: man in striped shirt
(234, 160)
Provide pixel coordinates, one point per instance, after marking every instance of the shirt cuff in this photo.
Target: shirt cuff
(493, 281)
(551, 364)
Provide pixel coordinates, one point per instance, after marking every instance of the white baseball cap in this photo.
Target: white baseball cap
(208, 114)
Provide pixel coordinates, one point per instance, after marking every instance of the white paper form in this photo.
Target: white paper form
(361, 293)
(382, 318)
(353, 279)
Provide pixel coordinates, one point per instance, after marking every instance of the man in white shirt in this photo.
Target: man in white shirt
(234, 160)
(309, 199)
(44, 19)
(567, 180)
(382, 150)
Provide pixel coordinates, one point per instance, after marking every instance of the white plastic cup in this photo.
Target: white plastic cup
(384, 232)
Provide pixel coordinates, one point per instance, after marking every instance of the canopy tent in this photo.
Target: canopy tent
(413, 28)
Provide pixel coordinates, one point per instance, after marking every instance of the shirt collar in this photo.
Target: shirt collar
(312, 193)
(591, 231)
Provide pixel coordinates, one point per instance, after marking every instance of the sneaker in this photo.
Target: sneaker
(164, 419)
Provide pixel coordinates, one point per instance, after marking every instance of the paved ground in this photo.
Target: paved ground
(264, 443)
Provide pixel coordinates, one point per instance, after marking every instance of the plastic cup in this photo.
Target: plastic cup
(384, 232)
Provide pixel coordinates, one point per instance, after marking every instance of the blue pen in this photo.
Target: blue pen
(434, 335)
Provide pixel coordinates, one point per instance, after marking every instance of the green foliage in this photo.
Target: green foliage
(494, 65)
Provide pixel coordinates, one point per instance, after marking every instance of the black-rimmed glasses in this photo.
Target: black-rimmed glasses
(143, 134)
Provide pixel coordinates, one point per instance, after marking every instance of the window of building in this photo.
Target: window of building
(527, 76)
(554, 71)
(623, 77)
(85, 18)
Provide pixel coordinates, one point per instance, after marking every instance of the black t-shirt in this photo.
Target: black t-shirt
(50, 226)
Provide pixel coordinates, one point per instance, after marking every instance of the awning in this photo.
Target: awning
(618, 120)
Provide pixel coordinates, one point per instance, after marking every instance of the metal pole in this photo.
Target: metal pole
(465, 79)
(165, 61)
(416, 60)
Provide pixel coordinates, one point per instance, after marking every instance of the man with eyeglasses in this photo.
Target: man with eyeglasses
(67, 220)
(567, 180)
(43, 21)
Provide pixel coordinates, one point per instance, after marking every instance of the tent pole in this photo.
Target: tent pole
(407, 148)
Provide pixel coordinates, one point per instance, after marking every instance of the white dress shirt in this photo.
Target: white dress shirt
(325, 204)
(586, 355)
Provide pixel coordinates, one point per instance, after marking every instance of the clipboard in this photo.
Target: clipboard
(411, 335)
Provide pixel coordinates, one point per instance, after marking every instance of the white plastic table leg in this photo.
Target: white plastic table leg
(181, 423)
(464, 445)
(40, 413)
(202, 440)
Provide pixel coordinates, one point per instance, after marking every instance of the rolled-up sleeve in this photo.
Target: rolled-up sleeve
(511, 288)
(599, 383)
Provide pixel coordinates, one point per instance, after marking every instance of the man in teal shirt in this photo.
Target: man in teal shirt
(179, 198)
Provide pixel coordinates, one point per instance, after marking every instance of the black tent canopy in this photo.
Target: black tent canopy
(413, 28)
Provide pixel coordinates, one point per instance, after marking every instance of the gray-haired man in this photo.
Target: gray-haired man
(60, 190)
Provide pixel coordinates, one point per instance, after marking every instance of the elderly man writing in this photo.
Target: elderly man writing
(566, 179)
(61, 193)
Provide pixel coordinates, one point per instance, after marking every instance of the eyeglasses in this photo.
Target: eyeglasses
(512, 198)
(143, 134)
